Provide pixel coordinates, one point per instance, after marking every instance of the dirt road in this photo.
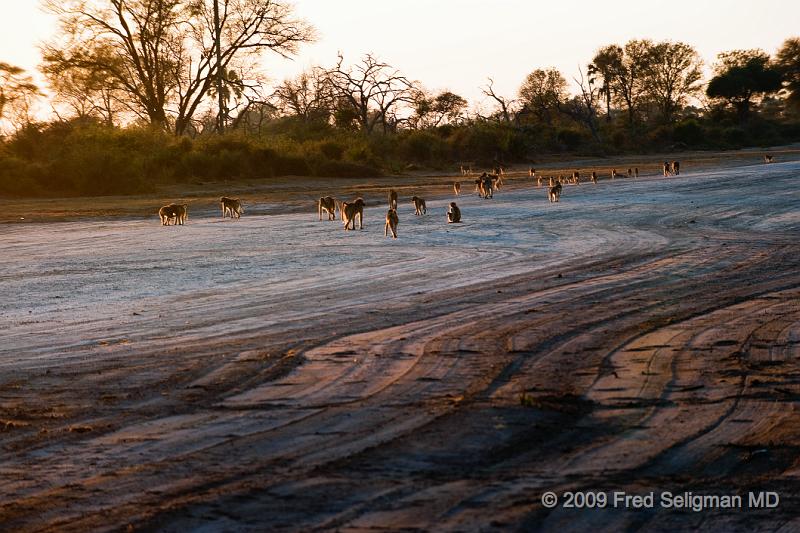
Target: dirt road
(280, 373)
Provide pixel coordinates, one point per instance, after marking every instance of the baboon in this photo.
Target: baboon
(554, 194)
(497, 180)
(630, 172)
(393, 199)
(327, 204)
(167, 213)
(419, 206)
(532, 172)
(349, 212)
(391, 223)
(181, 213)
(538, 181)
(594, 177)
(613, 173)
(576, 178)
(231, 207)
(453, 214)
(636, 172)
(488, 185)
(767, 158)
(466, 171)
(667, 169)
(457, 188)
(551, 181)
(676, 168)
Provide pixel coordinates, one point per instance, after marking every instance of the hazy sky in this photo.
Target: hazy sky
(449, 44)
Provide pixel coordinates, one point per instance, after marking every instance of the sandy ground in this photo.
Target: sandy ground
(278, 373)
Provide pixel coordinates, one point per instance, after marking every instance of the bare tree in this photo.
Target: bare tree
(583, 107)
(167, 54)
(308, 96)
(17, 92)
(506, 106)
(371, 91)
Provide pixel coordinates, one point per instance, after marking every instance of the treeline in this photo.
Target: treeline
(161, 91)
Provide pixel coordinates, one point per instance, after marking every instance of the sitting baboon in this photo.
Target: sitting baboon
(391, 223)
(554, 194)
(676, 168)
(419, 205)
(231, 207)
(667, 169)
(594, 177)
(349, 212)
(457, 188)
(453, 214)
(392, 199)
(768, 158)
(167, 213)
(636, 172)
(327, 204)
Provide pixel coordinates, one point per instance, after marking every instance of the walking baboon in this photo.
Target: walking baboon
(768, 158)
(419, 205)
(532, 172)
(630, 172)
(393, 199)
(667, 169)
(166, 214)
(391, 223)
(613, 173)
(457, 188)
(349, 212)
(676, 168)
(554, 194)
(594, 177)
(488, 185)
(327, 204)
(231, 207)
(453, 214)
(636, 172)
(181, 213)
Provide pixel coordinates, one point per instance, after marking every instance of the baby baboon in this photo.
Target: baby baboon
(419, 206)
(167, 213)
(667, 169)
(767, 158)
(453, 214)
(594, 177)
(457, 188)
(393, 199)
(327, 204)
(676, 168)
(391, 223)
(349, 212)
(554, 193)
(636, 172)
(231, 207)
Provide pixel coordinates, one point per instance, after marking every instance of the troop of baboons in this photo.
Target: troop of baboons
(350, 212)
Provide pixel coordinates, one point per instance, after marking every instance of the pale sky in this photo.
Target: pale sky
(455, 45)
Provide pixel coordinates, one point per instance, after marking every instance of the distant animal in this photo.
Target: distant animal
(551, 181)
(327, 204)
(231, 207)
(167, 214)
(614, 173)
(419, 205)
(457, 188)
(630, 172)
(554, 193)
(576, 177)
(391, 223)
(538, 181)
(676, 168)
(466, 171)
(636, 172)
(393, 199)
(594, 177)
(531, 172)
(768, 158)
(349, 212)
(181, 213)
(453, 214)
(489, 181)
(497, 180)
(667, 169)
